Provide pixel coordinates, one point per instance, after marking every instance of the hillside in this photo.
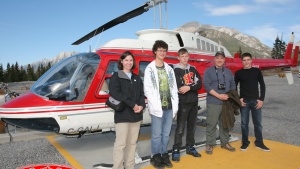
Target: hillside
(230, 38)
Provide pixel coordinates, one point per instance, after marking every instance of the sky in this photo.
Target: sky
(31, 30)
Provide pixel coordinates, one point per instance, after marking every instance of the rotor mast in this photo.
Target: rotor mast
(153, 3)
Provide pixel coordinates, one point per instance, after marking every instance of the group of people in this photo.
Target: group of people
(173, 92)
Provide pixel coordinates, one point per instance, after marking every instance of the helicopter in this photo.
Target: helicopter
(70, 97)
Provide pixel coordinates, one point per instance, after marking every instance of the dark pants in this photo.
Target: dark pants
(256, 118)
(186, 115)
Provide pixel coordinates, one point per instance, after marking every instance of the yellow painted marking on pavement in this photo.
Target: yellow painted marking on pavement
(281, 156)
(143, 137)
(64, 153)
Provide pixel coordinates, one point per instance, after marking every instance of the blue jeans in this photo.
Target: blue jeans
(160, 132)
(256, 118)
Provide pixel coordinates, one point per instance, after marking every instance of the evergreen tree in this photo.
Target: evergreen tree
(17, 71)
(13, 73)
(43, 69)
(22, 75)
(278, 49)
(30, 73)
(48, 66)
(7, 75)
(240, 51)
(38, 71)
(1, 73)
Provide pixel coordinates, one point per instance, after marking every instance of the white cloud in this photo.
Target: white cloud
(227, 10)
(276, 6)
(265, 33)
(273, 1)
(296, 30)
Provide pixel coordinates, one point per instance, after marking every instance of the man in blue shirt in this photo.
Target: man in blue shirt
(217, 80)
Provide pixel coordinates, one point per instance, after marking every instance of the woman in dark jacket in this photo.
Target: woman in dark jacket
(126, 86)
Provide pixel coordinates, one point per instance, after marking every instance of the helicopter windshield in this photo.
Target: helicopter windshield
(69, 79)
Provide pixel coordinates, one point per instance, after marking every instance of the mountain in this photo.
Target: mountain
(232, 39)
(52, 61)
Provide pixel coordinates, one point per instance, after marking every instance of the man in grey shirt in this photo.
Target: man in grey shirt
(217, 81)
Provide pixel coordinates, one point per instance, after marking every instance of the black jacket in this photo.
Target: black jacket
(188, 76)
(131, 92)
(230, 108)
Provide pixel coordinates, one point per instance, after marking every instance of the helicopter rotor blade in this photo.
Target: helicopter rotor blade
(114, 22)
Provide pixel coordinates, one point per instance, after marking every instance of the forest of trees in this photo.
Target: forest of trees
(15, 73)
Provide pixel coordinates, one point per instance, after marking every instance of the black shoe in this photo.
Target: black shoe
(156, 161)
(165, 160)
(192, 151)
(263, 147)
(175, 155)
(244, 147)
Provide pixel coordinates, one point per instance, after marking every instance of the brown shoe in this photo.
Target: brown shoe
(209, 149)
(228, 147)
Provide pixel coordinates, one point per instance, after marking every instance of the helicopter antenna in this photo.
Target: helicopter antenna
(90, 46)
(123, 18)
(98, 40)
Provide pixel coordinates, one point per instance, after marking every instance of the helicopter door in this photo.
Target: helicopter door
(112, 67)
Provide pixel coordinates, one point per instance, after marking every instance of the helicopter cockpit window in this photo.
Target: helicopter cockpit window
(104, 87)
(112, 67)
(69, 79)
(81, 82)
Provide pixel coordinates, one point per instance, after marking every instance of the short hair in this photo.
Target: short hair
(159, 44)
(122, 57)
(182, 51)
(220, 53)
(246, 55)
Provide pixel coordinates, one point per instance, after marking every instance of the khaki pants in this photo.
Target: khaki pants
(125, 145)
(213, 118)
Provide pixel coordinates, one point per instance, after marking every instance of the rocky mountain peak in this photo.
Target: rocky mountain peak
(52, 61)
(231, 38)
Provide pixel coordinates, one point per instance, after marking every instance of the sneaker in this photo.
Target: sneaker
(176, 155)
(263, 147)
(244, 147)
(165, 160)
(156, 161)
(228, 147)
(192, 151)
(209, 149)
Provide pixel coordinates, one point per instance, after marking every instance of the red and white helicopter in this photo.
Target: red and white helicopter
(70, 97)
